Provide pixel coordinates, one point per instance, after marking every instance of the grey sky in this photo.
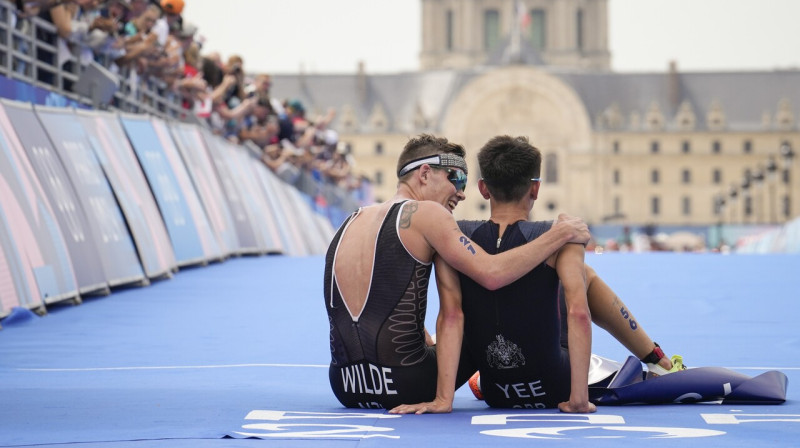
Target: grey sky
(325, 36)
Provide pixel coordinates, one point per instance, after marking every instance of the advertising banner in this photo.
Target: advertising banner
(62, 197)
(317, 239)
(237, 161)
(173, 200)
(114, 152)
(218, 193)
(36, 262)
(275, 191)
(210, 245)
(106, 224)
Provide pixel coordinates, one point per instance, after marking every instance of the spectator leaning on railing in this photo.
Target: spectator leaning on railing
(150, 39)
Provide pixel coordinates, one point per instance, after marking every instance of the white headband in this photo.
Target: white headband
(446, 159)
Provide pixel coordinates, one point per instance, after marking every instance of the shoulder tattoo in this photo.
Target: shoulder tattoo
(405, 215)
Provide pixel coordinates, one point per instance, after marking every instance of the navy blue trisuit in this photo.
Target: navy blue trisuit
(514, 334)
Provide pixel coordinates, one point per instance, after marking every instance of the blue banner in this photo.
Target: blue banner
(218, 193)
(169, 195)
(235, 160)
(32, 236)
(107, 226)
(136, 201)
(62, 197)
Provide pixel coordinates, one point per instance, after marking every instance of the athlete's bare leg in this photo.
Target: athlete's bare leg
(611, 314)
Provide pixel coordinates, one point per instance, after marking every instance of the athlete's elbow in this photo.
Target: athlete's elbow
(452, 317)
(579, 316)
(489, 281)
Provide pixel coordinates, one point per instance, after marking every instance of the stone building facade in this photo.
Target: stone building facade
(619, 148)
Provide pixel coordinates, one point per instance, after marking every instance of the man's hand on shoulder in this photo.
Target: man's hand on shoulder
(574, 227)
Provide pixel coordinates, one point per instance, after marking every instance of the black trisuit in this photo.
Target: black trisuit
(513, 334)
(380, 359)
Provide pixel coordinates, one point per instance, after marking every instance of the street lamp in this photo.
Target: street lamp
(733, 194)
(787, 154)
(758, 182)
(772, 168)
(747, 202)
(719, 209)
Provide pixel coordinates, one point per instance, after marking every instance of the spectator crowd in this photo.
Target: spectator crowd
(149, 39)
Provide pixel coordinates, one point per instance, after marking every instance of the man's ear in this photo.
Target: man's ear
(535, 190)
(423, 172)
(483, 189)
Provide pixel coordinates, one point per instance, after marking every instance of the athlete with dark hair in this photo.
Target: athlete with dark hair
(513, 334)
(376, 280)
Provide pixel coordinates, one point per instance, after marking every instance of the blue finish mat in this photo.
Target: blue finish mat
(221, 355)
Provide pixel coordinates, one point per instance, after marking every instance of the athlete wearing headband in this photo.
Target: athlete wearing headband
(455, 166)
(377, 272)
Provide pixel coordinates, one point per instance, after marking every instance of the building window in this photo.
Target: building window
(491, 29)
(686, 176)
(538, 29)
(686, 206)
(654, 176)
(449, 30)
(617, 205)
(378, 177)
(716, 147)
(654, 147)
(787, 207)
(579, 30)
(716, 176)
(378, 148)
(686, 147)
(551, 169)
(616, 177)
(748, 206)
(747, 147)
(615, 146)
(655, 205)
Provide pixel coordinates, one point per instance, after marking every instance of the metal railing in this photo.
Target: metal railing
(32, 52)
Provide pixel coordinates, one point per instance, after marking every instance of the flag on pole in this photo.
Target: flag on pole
(524, 19)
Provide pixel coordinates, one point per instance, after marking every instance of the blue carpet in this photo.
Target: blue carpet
(239, 349)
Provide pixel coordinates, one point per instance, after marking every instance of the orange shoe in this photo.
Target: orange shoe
(475, 385)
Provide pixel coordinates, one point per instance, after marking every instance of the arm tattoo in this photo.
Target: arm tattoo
(467, 243)
(405, 215)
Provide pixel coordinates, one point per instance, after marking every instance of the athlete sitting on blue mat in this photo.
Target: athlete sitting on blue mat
(513, 335)
(376, 281)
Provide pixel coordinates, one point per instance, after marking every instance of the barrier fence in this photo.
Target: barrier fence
(91, 200)
(783, 240)
(49, 69)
